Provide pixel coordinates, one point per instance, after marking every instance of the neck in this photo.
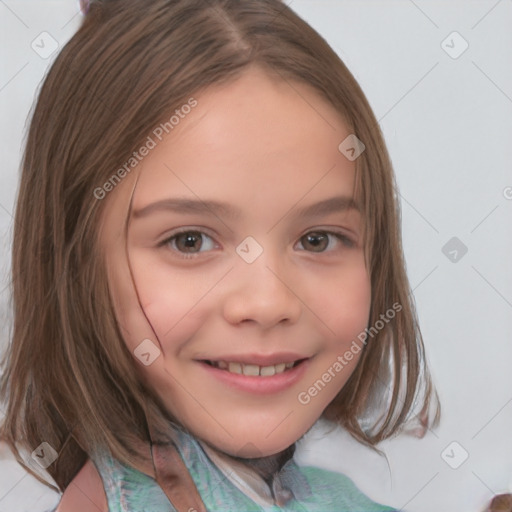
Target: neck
(266, 467)
(259, 478)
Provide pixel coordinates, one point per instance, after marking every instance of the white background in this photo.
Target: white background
(448, 125)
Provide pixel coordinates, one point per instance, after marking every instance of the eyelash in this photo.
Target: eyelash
(341, 237)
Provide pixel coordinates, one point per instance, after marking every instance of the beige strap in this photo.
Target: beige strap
(174, 478)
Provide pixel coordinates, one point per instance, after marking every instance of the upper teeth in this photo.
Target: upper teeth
(252, 369)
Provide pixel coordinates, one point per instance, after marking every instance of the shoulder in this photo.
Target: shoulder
(84, 490)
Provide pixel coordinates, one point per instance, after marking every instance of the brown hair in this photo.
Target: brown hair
(68, 378)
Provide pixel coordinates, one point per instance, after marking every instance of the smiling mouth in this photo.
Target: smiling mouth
(253, 370)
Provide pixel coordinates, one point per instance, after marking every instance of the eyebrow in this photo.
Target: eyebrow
(192, 206)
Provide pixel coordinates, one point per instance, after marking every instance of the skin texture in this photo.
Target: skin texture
(85, 493)
(267, 148)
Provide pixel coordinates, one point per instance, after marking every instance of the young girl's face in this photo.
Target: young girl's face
(246, 253)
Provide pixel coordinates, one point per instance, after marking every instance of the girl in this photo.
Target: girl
(206, 261)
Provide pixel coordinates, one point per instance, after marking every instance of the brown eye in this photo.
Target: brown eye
(316, 240)
(324, 241)
(189, 242)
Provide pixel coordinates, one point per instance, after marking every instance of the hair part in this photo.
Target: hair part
(68, 377)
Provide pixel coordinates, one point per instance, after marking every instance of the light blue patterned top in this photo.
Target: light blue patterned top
(313, 489)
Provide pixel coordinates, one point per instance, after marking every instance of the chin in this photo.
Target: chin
(255, 449)
(250, 444)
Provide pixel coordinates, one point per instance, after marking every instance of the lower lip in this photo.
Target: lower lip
(259, 385)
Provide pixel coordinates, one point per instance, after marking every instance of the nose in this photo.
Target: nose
(261, 293)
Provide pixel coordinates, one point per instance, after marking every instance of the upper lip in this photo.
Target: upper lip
(258, 359)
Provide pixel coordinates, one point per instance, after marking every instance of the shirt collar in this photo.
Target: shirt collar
(284, 485)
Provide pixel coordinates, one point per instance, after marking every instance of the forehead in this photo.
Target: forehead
(260, 143)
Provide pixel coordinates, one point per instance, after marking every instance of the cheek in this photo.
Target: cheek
(345, 303)
(172, 301)
(345, 308)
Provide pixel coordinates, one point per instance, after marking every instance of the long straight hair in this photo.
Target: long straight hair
(68, 378)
